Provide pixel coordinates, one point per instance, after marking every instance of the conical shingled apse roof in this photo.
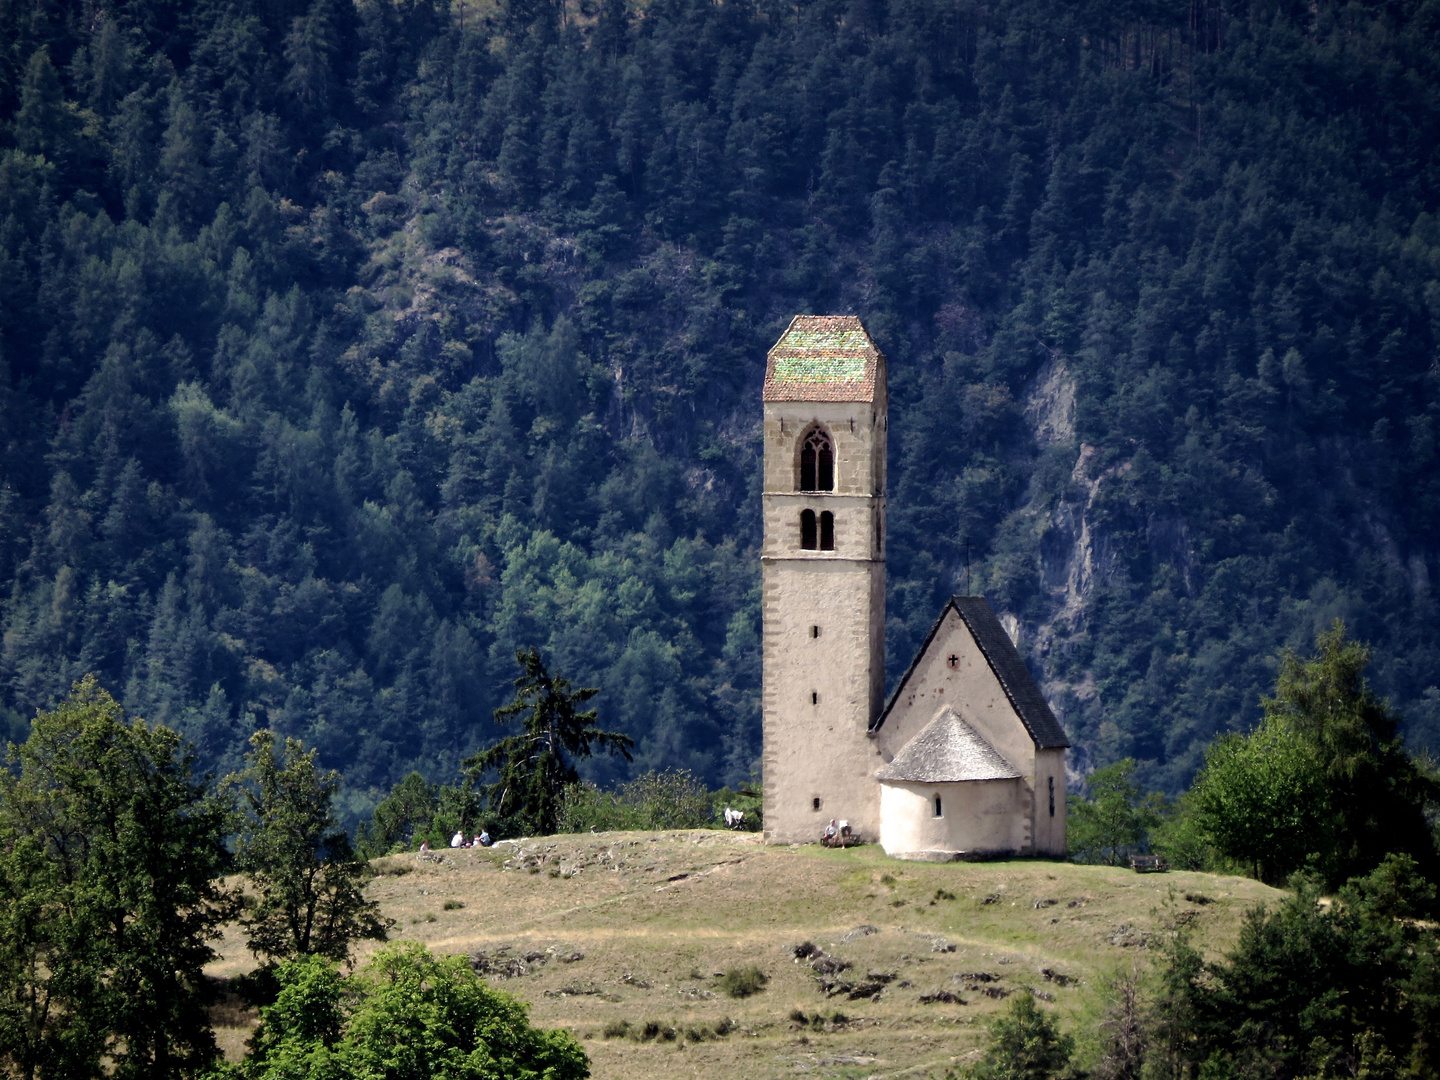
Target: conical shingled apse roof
(945, 751)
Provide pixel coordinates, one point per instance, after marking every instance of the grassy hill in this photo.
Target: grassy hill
(601, 931)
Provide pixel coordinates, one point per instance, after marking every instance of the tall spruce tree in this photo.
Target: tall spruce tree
(537, 765)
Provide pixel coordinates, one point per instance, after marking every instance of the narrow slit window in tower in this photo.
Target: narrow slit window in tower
(814, 697)
(815, 803)
(807, 529)
(817, 463)
(937, 807)
(814, 631)
(1052, 796)
(827, 531)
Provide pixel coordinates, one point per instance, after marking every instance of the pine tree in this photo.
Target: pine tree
(1024, 1044)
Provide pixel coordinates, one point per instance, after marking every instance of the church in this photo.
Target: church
(965, 759)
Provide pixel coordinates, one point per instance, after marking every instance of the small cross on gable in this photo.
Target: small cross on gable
(952, 662)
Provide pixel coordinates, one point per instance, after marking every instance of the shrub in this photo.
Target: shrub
(673, 799)
(697, 1033)
(409, 1015)
(747, 800)
(742, 982)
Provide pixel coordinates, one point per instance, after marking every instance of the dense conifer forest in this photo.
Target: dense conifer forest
(350, 347)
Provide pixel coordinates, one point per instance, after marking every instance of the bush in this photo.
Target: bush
(674, 799)
(746, 800)
(653, 1029)
(409, 1016)
(585, 807)
(742, 982)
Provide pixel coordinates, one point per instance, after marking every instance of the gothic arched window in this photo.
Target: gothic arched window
(817, 462)
(807, 530)
(827, 531)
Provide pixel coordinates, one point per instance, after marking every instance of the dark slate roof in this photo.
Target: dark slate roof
(999, 651)
(948, 750)
(823, 358)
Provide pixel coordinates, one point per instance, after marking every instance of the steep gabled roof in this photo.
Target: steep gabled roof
(823, 358)
(948, 750)
(999, 652)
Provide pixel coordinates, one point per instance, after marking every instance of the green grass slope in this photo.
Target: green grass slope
(623, 938)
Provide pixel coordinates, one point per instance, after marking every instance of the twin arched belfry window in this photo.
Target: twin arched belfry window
(817, 531)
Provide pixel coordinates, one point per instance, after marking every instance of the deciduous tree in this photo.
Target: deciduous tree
(408, 1016)
(111, 863)
(1324, 780)
(308, 883)
(1261, 799)
(1113, 818)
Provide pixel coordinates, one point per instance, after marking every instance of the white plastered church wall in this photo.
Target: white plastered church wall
(977, 817)
(953, 670)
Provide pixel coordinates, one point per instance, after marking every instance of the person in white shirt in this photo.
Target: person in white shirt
(458, 840)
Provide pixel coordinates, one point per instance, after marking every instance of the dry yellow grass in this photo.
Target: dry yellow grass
(636, 927)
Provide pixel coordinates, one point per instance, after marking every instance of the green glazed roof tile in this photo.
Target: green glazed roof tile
(823, 358)
(820, 368)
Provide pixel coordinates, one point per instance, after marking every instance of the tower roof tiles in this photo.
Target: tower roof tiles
(823, 358)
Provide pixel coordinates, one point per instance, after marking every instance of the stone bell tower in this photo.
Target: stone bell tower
(823, 566)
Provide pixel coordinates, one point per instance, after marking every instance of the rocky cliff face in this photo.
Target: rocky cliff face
(1146, 643)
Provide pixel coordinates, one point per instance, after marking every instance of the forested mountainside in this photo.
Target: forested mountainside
(349, 347)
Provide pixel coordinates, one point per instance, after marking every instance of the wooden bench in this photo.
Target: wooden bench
(1149, 864)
